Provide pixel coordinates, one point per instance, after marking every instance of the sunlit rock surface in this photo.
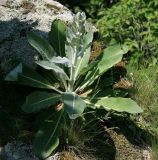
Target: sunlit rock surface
(17, 17)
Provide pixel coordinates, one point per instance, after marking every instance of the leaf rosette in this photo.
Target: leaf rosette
(65, 60)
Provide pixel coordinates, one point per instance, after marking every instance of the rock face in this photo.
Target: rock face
(17, 151)
(20, 151)
(17, 17)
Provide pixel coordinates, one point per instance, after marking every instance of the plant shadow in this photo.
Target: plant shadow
(134, 134)
(13, 122)
(88, 139)
(104, 146)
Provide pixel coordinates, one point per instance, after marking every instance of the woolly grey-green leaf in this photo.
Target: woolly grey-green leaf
(73, 104)
(40, 100)
(42, 46)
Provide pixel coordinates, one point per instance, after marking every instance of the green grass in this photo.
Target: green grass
(87, 139)
(145, 92)
(155, 148)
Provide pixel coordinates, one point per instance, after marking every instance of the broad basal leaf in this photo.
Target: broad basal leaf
(73, 104)
(111, 56)
(39, 100)
(57, 37)
(42, 46)
(51, 66)
(118, 104)
(32, 78)
(47, 138)
(88, 68)
(27, 76)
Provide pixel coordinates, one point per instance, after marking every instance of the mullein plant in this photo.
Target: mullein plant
(67, 80)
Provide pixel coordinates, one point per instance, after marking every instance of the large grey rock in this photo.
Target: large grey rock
(17, 17)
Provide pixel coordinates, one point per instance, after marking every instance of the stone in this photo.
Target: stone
(3, 2)
(17, 18)
(18, 150)
(54, 4)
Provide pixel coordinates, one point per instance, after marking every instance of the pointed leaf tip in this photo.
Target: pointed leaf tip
(41, 45)
(47, 138)
(118, 104)
(57, 37)
(13, 74)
